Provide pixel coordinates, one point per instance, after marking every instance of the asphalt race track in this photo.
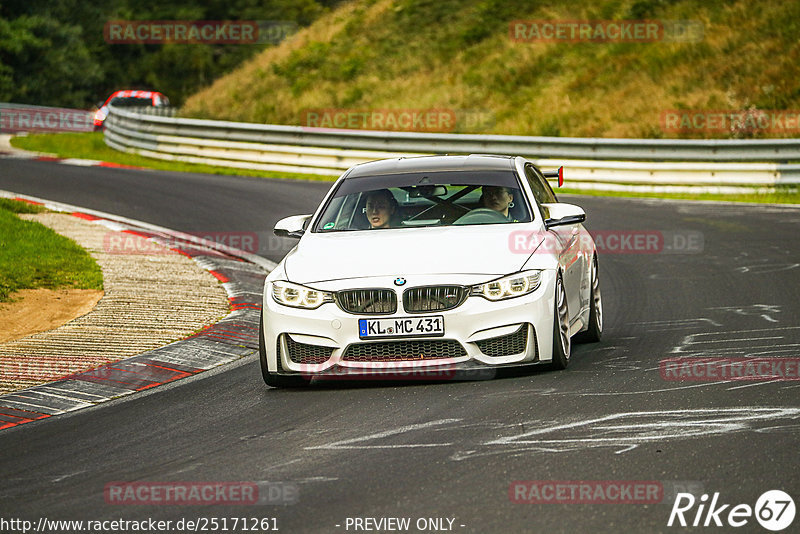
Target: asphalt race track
(722, 283)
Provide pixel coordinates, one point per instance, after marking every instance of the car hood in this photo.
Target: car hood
(485, 249)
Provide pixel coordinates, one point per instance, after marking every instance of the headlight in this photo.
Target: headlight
(298, 296)
(513, 285)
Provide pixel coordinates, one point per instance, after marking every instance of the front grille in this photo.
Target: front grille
(389, 351)
(367, 301)
(507, 345)
(305, 353)
(433, 298)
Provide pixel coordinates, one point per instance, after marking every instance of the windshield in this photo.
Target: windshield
(425, 199)
(137, 101)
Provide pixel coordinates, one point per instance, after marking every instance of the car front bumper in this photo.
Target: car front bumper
(479, 334)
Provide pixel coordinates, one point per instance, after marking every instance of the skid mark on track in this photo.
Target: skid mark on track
(765, 311)
(626, 431)
(357, 443)
(619, 432)
(638, 392)
(678, 324)
(750, 342)
(727, 340)
(618, 363)
(755, 384)
(649, 426)
(765, 269)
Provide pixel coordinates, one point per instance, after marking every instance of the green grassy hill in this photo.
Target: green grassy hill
(458, 55)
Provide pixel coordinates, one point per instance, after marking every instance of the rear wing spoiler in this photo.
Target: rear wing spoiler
(559, 173)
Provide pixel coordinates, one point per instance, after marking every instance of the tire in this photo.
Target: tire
(273, 379)
(595, 331)
(562, 345)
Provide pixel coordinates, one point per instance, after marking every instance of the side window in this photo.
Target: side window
(541, 189)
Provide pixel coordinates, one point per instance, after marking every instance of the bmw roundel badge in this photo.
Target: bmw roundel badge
(399, 281)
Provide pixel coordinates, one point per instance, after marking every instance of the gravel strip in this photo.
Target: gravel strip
(151, 299)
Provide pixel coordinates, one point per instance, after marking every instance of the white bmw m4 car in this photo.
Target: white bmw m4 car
(430, 265)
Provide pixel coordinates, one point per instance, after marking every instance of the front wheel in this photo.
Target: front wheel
(595, 331)
(562, 344)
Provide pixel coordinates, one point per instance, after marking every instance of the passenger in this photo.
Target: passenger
(498, 198)
(381, 209)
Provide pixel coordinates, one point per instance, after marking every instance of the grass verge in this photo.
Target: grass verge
(91, 146)
(34, 256)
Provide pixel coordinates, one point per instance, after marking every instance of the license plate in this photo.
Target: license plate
(401, 326)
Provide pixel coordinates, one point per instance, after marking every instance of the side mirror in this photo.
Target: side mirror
(294, 226)
(560, 214)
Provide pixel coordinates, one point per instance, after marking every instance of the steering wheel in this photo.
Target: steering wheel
(481, 216)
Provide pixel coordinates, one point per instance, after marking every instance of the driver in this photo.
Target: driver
(381, 208)
(497, 198)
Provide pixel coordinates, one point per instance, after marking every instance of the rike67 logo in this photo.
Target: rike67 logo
(774, 510)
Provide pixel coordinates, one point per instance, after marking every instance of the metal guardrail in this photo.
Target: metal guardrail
(724, 164)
